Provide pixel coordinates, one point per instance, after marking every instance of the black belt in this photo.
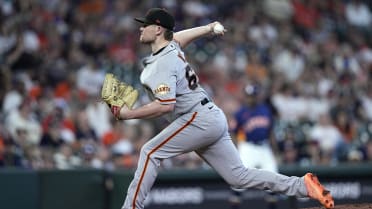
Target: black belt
(204, 101)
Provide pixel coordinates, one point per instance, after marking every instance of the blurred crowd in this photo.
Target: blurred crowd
(312, 57)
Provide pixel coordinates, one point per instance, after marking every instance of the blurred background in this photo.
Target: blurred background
(313, 58)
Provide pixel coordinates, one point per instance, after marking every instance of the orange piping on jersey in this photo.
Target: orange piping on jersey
(182, 58)
(167, 100)
(153, 150)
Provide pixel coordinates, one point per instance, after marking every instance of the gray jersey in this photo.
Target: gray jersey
(168, 77)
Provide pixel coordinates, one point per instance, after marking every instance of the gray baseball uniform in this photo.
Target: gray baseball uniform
(197, 124)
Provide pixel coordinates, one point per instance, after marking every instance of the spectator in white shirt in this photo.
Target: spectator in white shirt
(358, 14)
(22, 125)
(290, 63)
(326, 135)
(90, 78)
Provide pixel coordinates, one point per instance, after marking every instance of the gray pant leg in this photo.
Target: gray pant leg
(224, 158)
(187, 133)
(145, 175)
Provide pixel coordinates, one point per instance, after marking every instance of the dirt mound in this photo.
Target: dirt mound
(349, 206)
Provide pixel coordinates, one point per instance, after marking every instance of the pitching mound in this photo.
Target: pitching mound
(349, 206)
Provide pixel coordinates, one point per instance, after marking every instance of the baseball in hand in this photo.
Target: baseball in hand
(218, 28)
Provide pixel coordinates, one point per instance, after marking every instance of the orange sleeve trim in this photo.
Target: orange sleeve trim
(154, 150)
(167, 100)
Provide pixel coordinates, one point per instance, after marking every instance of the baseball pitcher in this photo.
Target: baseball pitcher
(196, 123)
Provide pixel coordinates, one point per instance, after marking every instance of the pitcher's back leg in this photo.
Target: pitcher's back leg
(224, 158)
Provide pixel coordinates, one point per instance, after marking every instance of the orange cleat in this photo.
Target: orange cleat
(317, 191)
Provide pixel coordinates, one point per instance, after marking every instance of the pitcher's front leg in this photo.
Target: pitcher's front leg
(144, 178)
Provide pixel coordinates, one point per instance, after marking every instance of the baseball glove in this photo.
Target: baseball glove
(116, 94)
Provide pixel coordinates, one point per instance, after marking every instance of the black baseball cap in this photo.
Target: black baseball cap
(158, 16)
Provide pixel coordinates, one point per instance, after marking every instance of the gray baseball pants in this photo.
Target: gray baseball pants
(205, 131)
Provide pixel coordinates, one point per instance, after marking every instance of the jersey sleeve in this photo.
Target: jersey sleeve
(164, 87)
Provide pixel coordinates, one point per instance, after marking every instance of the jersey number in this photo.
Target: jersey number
(191, 77)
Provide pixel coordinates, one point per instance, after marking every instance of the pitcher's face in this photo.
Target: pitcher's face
(148, 33)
